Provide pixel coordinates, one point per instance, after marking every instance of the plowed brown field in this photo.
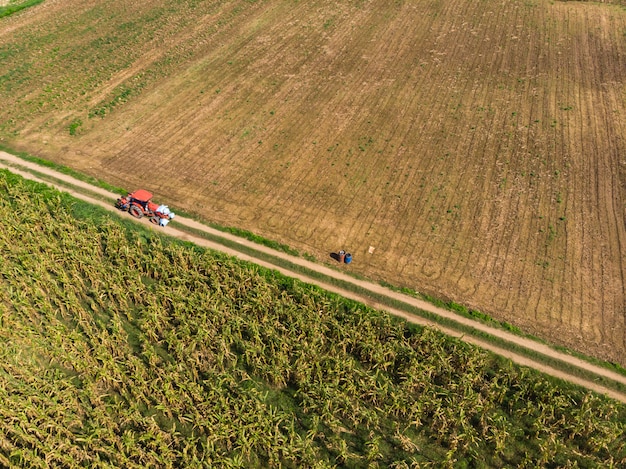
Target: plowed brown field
(478, 146)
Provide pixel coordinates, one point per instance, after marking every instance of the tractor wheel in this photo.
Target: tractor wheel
(154, 220)
(135, 211)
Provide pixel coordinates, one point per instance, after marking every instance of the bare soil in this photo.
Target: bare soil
(477, 146)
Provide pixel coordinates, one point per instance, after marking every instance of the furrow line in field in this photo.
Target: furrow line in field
(480, 146)
(274, 185)
(401, 96)
(590, 139)
(620, 217)
(612, 256)
(414, 146)
(616, 202)
(523, 218)
(477, 104)
(494, 217)
(573, 200)
(556, 313)
(597, 209)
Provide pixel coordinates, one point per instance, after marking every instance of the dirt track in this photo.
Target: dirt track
(25, 169)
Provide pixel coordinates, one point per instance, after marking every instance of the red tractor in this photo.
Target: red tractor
(139, 204)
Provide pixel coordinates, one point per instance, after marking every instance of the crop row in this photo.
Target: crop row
(124, 348)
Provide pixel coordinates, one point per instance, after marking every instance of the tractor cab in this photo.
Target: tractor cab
(141, 197)
(139, 204)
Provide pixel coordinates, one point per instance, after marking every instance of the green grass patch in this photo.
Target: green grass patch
(16, 5)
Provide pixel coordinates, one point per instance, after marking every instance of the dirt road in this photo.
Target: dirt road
(33, 171)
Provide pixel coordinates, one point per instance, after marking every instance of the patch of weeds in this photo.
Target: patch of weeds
(457, 307)
(454, 211)
(365, 142)
(121, 95)
(74, 126)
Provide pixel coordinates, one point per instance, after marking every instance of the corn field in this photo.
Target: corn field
(123, 348)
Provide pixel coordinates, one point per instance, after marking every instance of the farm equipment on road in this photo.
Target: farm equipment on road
(139, 204)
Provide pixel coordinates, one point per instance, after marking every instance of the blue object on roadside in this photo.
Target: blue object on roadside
(348, 258)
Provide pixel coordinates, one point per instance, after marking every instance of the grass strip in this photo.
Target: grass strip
(63, 170)
(15, 7)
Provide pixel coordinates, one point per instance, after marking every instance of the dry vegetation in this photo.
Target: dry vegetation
(478, 146)
(121, 348)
